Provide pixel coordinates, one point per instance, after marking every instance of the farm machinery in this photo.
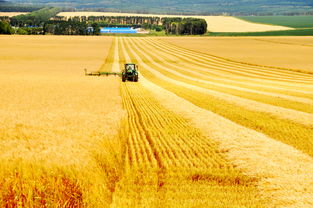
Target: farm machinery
(129, 73)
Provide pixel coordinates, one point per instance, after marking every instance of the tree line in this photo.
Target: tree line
(177, 26)
(45, 21)
(184, 26)
(130, 20)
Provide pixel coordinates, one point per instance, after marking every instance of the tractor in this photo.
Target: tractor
(130, 72)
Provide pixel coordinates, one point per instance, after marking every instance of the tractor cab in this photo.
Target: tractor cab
(130, 72)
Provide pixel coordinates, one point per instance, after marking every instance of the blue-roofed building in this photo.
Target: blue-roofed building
(117, 30)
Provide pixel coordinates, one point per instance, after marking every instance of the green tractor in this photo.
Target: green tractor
(130, 72)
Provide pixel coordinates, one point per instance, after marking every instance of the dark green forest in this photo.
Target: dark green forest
(208, 7)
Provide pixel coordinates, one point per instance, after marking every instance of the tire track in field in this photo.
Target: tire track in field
(219, 71)
(239, 66)
(292, 115)
(165, 63)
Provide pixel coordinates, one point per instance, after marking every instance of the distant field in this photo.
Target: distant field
(287, 52)
(11, 14)
(287, 21)
(215, 23)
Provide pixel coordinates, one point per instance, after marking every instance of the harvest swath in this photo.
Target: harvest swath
(197, 130)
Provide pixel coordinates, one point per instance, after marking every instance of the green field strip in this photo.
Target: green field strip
(182, 67)
(249, 95)
(262, 70)
(291, 133)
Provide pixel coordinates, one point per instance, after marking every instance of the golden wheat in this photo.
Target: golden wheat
(198, 130)
(293, 134)
(54, 122)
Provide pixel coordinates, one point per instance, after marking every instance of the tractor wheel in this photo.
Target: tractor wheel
(123, 79)
(136, 78)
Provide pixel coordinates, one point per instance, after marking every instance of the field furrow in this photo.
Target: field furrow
(197, 130)
(221, 70)
(285, 172)
(186, 161)
(245, 145)
(293, 115)
(294, 134)
(180, 65)
(241, 67)
(297, 103)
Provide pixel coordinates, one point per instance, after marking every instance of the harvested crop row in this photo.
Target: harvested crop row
(302, 104)
(297, 116)
(218, 72)
(179, 64)
(285, 173)
(239, 67)
(248, 50)
(283, 179)
(166, 158)
(289, 132)
(235, 72)
(164, 153)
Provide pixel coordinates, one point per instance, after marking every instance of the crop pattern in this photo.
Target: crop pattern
(197, 130)
(234, 90)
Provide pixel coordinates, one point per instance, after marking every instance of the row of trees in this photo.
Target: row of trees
(184, 26)
(178, 26)
(124, 20)
(53, 27)
(70, 28)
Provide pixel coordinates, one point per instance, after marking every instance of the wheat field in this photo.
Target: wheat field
(201, 128)
(11, 14)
